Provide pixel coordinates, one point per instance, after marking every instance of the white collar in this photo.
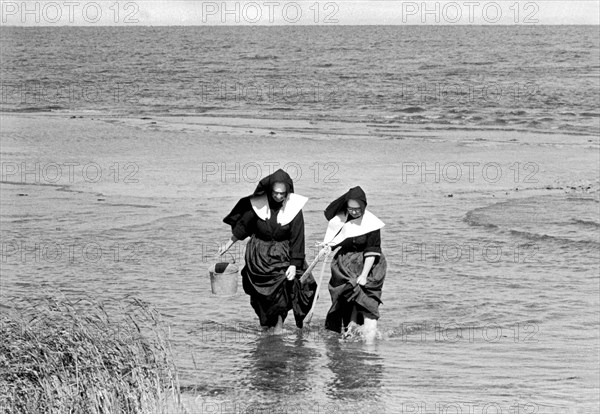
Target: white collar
(339, 229)
(292, 205)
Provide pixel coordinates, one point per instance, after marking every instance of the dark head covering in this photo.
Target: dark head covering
(264, 186)
(340, 204)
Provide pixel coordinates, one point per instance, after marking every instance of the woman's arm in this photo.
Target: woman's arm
(372, 251)
(297, 249)
(244, 227)
(362, 279)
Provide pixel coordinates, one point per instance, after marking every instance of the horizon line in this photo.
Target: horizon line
(300, 25)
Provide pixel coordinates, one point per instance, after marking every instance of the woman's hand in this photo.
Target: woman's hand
(368, 265)
(290, 273)
(362, 280)
(325, 249)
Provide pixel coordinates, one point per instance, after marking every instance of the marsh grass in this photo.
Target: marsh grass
(64, 356)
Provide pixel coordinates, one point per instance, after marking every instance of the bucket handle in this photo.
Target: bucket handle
(229, 253)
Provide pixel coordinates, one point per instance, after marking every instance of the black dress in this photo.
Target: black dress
(345, 293)
(271, 250)
(347, 265)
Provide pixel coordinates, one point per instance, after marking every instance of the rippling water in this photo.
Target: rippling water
(528, 77)
(491, 295)
(491, 299)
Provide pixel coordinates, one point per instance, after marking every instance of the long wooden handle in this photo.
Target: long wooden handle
(309, 315)
(310, 268)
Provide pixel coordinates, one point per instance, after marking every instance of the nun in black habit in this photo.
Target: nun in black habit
(275, 256)
(358, 269)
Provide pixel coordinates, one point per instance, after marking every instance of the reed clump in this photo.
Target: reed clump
(64, 356)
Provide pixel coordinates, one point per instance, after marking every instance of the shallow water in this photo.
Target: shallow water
(491, 295)
(490, 201)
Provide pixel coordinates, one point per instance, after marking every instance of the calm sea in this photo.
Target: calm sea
(492, 295)
(529, 77)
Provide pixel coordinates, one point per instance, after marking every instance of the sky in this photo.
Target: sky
(299, 12)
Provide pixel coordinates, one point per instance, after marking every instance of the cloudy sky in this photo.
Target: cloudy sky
(300, 12)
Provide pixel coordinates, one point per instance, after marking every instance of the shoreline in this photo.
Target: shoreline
(243, 125)
(212, 133)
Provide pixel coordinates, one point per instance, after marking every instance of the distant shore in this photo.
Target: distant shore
(246, 124)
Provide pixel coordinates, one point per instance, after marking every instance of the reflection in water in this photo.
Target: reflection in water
(357, 371)
(278, 369)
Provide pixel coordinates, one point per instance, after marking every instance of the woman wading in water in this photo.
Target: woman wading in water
(358, 269)
(272, 218)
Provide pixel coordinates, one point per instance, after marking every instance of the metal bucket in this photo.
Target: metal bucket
(223, 279)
